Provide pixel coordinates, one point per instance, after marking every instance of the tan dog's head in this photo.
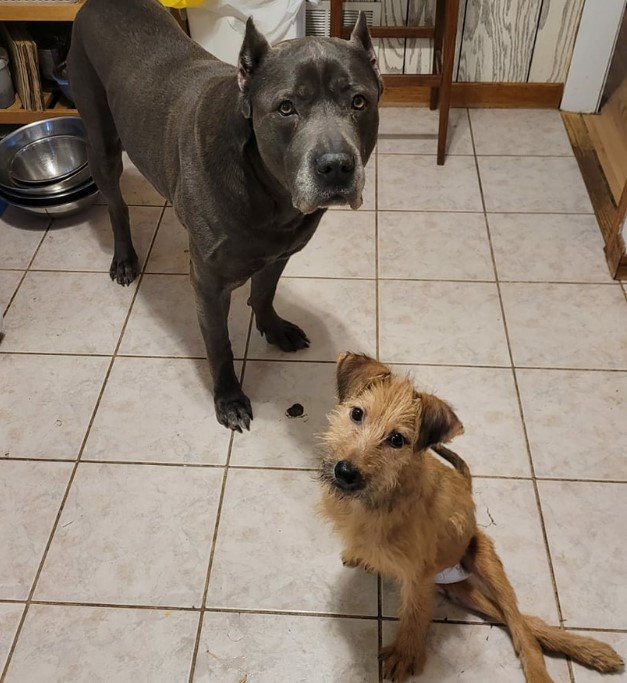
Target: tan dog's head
(379, 429)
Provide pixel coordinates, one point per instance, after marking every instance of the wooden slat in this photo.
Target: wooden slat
(558, 24)
(498, 39)
(600, 195)
(392, 50)
(39, 11)
(20, 116)
(419, 52)
(615, 249)
(394, 32)
(460, 33)
(608, 131)
(398, 92)
(397, 81)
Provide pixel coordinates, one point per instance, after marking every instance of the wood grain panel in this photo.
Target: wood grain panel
(498, 40)
(398, 92)
(392, 50)
(419, 53)
(558, 24)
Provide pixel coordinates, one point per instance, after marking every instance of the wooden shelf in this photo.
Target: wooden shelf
(17, 115)
(39, 11)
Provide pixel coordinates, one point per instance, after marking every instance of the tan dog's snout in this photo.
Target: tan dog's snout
(347, 476)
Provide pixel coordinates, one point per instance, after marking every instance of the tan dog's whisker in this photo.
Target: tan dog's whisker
(406, 515)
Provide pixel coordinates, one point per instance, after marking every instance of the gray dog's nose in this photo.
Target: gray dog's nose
(347, 475)
(335, 168)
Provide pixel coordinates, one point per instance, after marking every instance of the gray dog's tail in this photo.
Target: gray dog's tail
(450, 456)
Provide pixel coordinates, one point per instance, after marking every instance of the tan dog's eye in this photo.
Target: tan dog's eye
(396, 440)
(357, 415)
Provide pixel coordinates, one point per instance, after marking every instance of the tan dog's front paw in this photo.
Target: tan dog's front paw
(349, 561)
(400, 664)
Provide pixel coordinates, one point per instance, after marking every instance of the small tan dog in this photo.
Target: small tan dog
(404, 514)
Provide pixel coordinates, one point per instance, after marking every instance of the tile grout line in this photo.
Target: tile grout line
(280, 613)
(212, 551)
(27, 269)
(77, 460)
(214, 540)
(418, 137)
(273, 468)
(318, 361)
(376, 250)
(605, 283)
(547, 548)
(377, 349)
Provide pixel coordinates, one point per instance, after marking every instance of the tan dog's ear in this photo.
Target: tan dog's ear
(438, 422)
(355, 372)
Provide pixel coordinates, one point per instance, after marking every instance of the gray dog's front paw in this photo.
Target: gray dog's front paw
(284, 334)
(124, 271)
(234, 412)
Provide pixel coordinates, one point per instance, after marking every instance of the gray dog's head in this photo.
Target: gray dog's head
(314, 109)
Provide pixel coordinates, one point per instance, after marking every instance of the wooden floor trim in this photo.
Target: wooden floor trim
(400, 92)
(601, 197)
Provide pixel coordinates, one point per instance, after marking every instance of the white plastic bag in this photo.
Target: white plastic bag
(272, 17)
(219, 25)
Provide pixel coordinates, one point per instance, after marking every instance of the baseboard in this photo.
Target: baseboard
(400, 91)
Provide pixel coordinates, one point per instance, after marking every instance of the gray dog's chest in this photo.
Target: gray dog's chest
(244, 247)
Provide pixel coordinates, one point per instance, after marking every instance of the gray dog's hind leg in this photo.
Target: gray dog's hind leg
(281, 333)
(104, 154)
(232, 406)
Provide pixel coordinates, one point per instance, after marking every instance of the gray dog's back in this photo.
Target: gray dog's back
(152, 90)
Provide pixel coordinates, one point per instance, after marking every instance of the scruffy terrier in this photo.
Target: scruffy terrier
(403, 513)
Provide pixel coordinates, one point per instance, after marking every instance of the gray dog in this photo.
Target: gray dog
(250, 157)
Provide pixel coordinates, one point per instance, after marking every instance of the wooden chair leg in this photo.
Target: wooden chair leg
(448, 58)
(337, 19)
(437, 50)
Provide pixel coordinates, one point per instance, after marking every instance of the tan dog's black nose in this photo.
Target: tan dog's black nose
(347, 476)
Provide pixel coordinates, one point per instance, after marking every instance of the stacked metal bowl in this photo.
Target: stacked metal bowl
(43, 167)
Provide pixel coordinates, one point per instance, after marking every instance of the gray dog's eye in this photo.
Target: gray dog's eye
(357, 415)
(286, 108)
(359, 102)
(396, 440)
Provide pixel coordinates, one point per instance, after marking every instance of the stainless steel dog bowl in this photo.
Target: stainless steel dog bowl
(55, 198)
(73, 202)
(71, 183)
(49, 160)
(41, 152)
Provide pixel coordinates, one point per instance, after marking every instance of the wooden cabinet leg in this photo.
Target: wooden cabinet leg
(448, 58)
(437, 50)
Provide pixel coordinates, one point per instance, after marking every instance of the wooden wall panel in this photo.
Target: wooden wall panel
(498, 39)
(392, 50)
(419, 53)
(558, 25)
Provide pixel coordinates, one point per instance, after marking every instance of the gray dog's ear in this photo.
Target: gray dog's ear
(254, 49)
(355, 372)
(438, 422)
(360, 36)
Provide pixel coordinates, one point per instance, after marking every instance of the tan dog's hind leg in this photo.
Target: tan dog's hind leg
(482, 559)
(586, 651)
(406, 655)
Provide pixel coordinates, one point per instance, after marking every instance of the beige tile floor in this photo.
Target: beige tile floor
(139, 541)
